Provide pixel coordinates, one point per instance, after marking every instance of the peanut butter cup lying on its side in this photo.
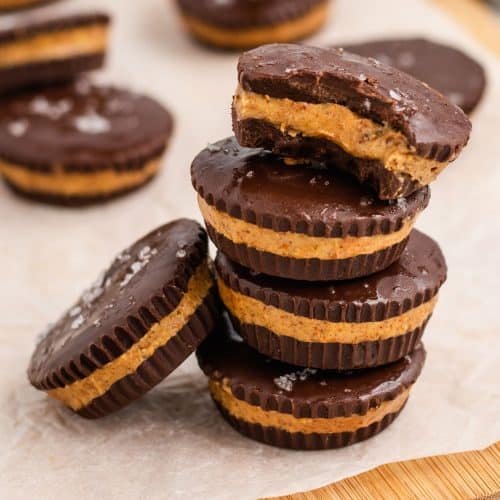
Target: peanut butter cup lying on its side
(240, 24)
(346, 325)
(50, 45)
(305, 409)
(384, 126)
(140, 320)
(79, 143)
(296, 222)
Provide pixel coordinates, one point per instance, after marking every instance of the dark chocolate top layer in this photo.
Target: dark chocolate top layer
(144, 283)
(256, 186)
(273, 385)
(456, 75)
(82, 127)
(413, 279)
(435, 127)
(30, 23)
(242, 14)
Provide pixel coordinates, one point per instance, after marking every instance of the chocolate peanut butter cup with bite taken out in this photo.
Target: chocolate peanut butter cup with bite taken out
(243, 24)
(387, 128)
(346, 325)
(430, 62)
(141, 319)
(80, 143)
(289, 221)
(50, 45)
(302, 409)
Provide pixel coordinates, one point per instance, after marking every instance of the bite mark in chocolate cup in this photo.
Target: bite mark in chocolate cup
(313, 224)
(384, 126)
(290, 407)
(141, 319)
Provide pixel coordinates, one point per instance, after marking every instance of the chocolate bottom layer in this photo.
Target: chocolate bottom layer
(329, 356)
(74, 201)
(301, 441)
(261, 134)
(47, 72)
(306, 269)
(160, 364)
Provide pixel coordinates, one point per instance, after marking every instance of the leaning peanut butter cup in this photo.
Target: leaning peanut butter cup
(303, 223)
(345, 325)
(140, 320)
(306, 409)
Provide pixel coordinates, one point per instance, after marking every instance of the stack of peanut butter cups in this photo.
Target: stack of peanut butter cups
(327, 286)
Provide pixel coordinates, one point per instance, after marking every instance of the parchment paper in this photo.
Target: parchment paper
(173, 444)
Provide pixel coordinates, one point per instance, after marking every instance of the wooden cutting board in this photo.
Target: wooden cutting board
(477, 18)
(459, 476)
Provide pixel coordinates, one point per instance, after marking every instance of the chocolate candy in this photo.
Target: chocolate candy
(79, 143)
(237, 24)
(49, 46)
(346, 325)
(431, 62)
(296, 222)
(390, 130)
(305, 409)
(140, 320)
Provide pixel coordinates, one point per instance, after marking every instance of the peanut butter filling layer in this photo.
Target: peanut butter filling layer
(82, 392)
(53, 46)
(242, 410)
(297, 245)
(360, 137)
(242, 38)
(254, 312)
(61, 183)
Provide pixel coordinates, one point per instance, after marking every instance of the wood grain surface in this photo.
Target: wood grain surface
(459, 476)
(477, 18)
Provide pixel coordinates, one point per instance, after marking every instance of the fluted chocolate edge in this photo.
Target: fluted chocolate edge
(306, 269)
(300, 441)
(331, 355)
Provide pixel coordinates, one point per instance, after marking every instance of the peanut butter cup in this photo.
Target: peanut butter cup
(140, 320)
(50, 45)
(238, 24)
(345, 325)
(305, 409)
(389, 129)
(314, 224)
(80, 143)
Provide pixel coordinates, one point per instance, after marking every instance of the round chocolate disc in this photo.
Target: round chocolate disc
(99, 356)
(82, 128)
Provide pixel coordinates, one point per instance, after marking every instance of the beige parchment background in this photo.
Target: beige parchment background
(173, 444)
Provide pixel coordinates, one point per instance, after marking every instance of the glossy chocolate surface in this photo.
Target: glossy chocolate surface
(142, 285)
(82, 127)
(414, 278)
(267, 383)
(258, 187)
(456, 75)
(435, 127)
